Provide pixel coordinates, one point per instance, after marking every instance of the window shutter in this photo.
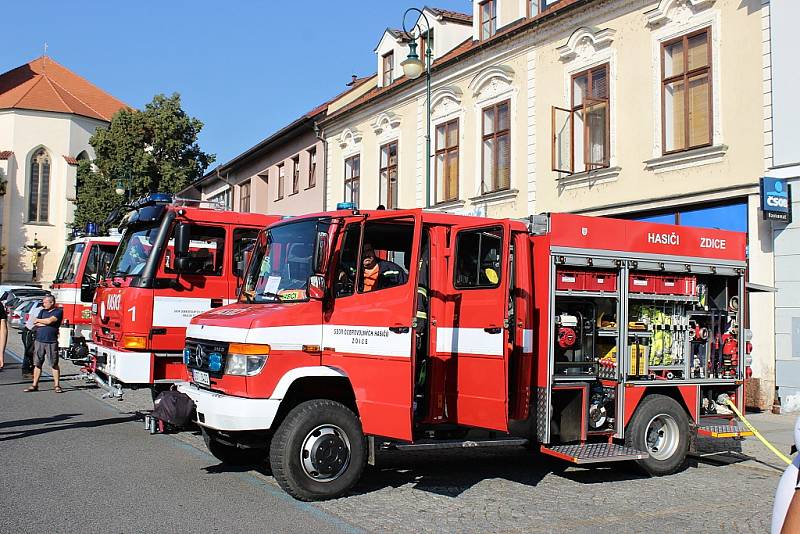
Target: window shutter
(562, 140)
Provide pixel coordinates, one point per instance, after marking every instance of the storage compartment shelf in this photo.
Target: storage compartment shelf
(586, 294)
(631, 333)
(654, 296)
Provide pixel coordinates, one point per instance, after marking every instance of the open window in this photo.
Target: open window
(581, 134)
(206, 252)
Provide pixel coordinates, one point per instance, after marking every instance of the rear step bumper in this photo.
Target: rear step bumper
(590, 453)
(723, 431)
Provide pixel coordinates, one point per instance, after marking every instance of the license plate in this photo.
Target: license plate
(201, 377)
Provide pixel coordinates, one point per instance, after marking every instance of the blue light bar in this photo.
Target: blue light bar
(152, 199)
(187, 353)
(346, 206)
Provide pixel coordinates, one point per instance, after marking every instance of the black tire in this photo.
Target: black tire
(660, 427)
(333, 432)
(231, 455)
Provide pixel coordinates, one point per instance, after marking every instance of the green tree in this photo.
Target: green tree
(146, 151)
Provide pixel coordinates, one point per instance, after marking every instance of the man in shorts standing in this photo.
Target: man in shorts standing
(45, 344)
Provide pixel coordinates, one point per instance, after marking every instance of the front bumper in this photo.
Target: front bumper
(225, 412)
(125, 366)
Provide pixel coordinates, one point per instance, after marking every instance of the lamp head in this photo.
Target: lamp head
(412, 65)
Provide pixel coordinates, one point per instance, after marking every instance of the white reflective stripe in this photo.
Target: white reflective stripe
(177, 311)
(67, 295)
(367, 340)
(469, 341)
(527, 340)
(300, 372)
(277, 337)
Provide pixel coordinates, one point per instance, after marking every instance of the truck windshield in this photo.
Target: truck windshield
(282, 263)
(133, 251)
(69, 263)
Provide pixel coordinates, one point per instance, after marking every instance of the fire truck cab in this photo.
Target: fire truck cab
(589, 339)
(85, 260)
(175, 260)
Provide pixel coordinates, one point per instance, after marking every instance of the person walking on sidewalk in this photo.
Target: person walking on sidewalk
(27, 333)
(3, 335)
(45, 344)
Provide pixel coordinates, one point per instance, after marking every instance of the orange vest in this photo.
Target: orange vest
(370, 277)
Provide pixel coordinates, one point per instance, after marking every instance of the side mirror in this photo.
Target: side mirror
(316, 287)
(321, 254)
(182, 238)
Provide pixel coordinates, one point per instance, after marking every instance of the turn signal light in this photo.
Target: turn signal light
(134, 342)
(248, 348)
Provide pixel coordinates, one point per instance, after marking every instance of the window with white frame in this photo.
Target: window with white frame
(581, 133)
(352, 179)
(488, 18)
(388, 68)
(447, 161)
(388, 175)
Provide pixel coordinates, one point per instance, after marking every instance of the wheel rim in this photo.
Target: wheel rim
(662, 436)
(325, 453)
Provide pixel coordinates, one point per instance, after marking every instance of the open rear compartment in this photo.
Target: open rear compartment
(625, 325)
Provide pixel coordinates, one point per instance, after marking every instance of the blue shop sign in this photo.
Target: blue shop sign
(776, 199)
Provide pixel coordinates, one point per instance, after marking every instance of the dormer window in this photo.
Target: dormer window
(488, 13)
(388, 68)
(422, 43)
(533, 8)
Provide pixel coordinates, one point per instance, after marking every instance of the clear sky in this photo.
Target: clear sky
(244, 68)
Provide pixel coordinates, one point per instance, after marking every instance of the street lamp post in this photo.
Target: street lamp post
(413, 68)
(124, 188)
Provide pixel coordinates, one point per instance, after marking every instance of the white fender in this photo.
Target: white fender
(301, 372)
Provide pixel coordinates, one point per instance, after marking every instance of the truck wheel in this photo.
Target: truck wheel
(230, 455)
(660, 427)
(318, 451)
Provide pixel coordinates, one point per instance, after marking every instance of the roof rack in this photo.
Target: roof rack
(215, 204)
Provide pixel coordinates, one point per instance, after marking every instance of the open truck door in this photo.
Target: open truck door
(474, 327)
(369, 330)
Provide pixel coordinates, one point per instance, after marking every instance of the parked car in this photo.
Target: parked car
(18, 295)
(6, 290)
(19, 315)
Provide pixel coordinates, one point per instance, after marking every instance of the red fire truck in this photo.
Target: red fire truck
(84, 261)
(588, 339)
(174, 261)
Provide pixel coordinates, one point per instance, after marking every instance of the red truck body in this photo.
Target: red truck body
(84, 261)
(141, 309)
(537, 330)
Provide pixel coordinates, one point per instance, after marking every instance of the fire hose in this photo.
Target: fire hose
(756, 433)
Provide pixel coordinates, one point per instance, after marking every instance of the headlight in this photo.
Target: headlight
(245, 359)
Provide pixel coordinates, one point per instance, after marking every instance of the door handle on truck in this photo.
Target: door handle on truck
(493, 330)
(399, 329)
(216, 303)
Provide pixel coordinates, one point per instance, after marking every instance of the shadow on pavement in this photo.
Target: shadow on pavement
(19, 434)
(39, 420)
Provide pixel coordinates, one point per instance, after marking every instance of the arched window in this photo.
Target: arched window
(39, 189)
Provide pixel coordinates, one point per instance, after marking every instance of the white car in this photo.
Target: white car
(19, 315)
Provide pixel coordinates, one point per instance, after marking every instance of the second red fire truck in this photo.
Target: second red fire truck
(85, 260)
(590, 339)
(175, 260)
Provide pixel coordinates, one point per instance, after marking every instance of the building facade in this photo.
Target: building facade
(47, 115)
(782, 160)
(645, 109)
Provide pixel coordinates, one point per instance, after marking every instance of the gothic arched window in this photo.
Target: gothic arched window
(39, 189)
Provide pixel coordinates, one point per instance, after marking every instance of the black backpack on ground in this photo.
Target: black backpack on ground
(173, 407)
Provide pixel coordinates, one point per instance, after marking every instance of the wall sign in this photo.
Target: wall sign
(776, 199)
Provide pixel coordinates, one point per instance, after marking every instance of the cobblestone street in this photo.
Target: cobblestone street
(513, 490)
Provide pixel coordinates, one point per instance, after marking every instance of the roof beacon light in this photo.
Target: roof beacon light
(346, 206)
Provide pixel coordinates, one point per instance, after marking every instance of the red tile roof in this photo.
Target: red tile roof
(70, 160)
(5, 154)
(453, 16)
(45, 85)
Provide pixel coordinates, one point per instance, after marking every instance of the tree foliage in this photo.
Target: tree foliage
(144, 151)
